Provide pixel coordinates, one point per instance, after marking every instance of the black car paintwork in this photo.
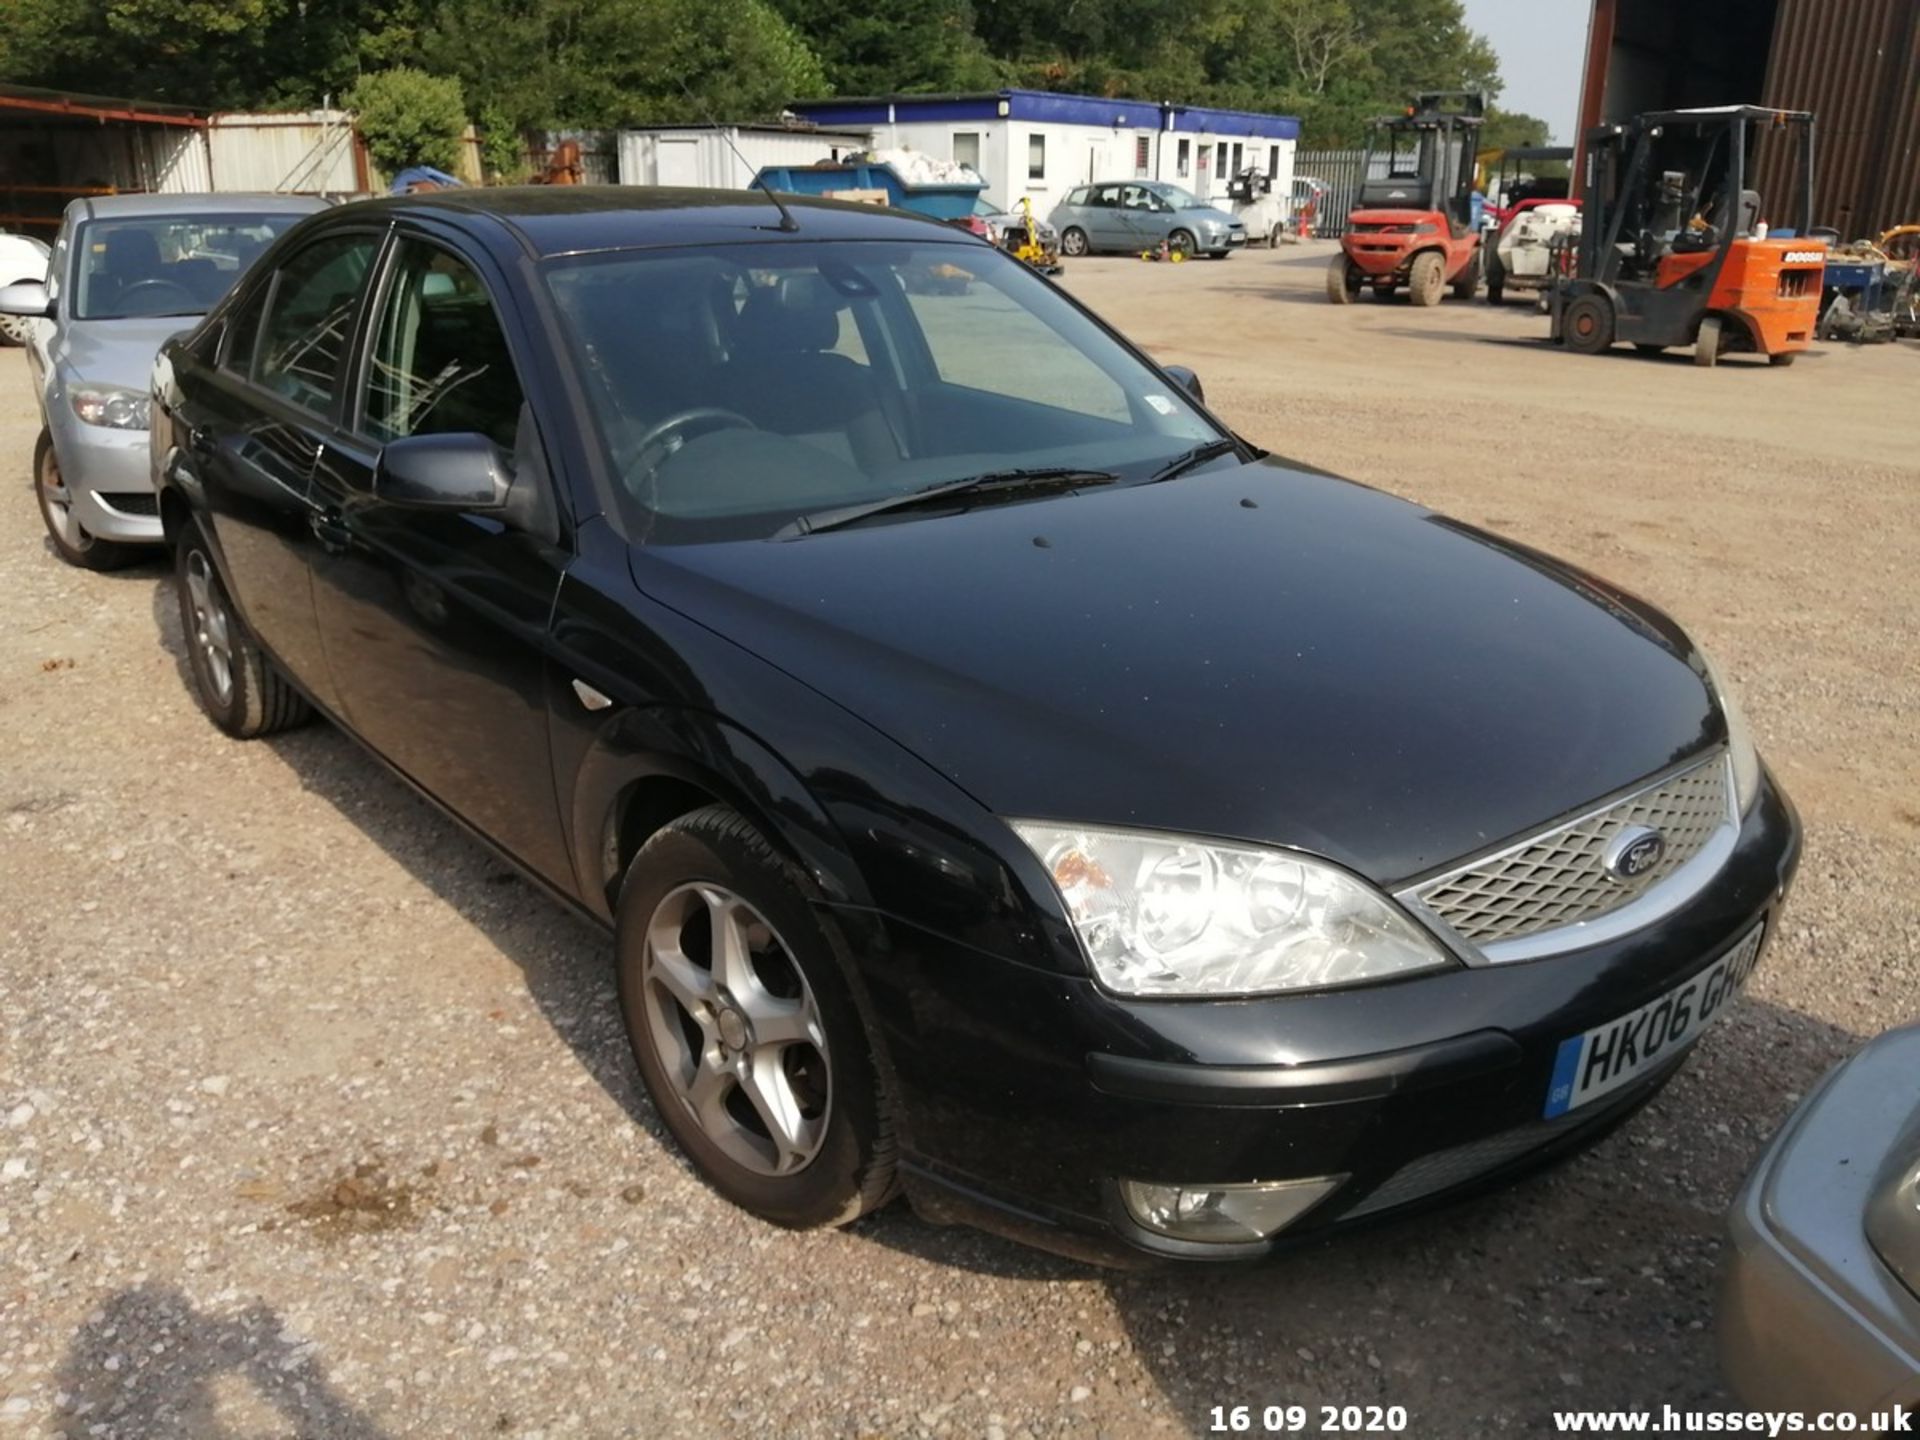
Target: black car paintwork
(1324, 667)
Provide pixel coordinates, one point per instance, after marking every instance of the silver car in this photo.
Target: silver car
(126, 272)
(1138, 215)
(1820, 1305)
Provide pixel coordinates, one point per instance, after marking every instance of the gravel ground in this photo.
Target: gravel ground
(316, 1122)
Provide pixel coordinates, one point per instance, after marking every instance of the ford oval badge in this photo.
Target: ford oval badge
(1634, 851)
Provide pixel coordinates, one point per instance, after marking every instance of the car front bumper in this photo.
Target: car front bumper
(1810, 1318)
(108, 475)
(1029, 1095)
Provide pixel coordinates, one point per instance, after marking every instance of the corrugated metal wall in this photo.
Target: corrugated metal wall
(1856, 65)
(308, 150)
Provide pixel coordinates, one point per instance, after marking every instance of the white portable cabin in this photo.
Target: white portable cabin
(705, 155)
(1040, 145)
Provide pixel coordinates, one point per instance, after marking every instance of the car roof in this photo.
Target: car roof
(113, 207)
(576, 219)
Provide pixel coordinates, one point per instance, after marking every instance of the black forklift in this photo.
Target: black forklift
(1675, 249)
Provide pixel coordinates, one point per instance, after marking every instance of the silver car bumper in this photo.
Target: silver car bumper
(108, 474)
(1810, 1317)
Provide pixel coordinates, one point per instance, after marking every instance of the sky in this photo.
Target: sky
(1542, 45)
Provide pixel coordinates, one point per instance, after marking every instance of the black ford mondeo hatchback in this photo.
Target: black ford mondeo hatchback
(1002, 782)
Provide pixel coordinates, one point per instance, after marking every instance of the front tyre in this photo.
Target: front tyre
(236, 684)
(1073, 241)
(1468, 283)
(744, 1029)
(1343, 284)
(1181, 243)
(1427, 278)
(1587, 324)
(72, 541)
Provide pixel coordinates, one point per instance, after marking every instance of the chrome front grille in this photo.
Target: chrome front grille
(1559, 878)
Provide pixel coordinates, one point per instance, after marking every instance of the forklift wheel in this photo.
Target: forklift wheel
(1426, 278)
(1343, 286)
(1496, 289)
(1785, 357)
(1468, 281)
(1587, 324)
(1706, 346)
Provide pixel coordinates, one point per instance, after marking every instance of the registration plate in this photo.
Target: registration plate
(1602, 1060)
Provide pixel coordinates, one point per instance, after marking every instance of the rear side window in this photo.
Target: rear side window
(310, 320)
(243, 333)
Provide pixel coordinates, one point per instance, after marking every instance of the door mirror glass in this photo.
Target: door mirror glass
(1182, 376)
(27, 298)
(443, 472)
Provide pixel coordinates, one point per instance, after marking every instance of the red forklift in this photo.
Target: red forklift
(1413, 227)
(1676, 250)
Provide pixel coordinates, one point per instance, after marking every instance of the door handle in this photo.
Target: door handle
(199, 440)
(330, 530)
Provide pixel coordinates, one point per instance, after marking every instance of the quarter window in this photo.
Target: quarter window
(310, 319)
(440, 360)
(243, 332)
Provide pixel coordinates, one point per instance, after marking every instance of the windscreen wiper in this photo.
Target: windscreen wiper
(993, 482)
(1199, 455)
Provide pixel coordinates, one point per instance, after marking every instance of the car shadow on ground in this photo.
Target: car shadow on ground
(148, 1365)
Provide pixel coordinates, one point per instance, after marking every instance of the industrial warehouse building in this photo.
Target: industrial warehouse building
(1854, 63)
(1039, 145)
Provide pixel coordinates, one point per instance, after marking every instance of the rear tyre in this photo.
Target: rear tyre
(746, 1035)
(236, 684)
(1496, 287)
(1587, 324)
(1180, 243)
(72, 541)
(1468, 284)
(1343, 286)
(1073, 241)
(1273, 238)
(1706, 345)
(1427, 278)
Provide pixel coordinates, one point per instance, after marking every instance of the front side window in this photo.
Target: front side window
(165, 264)
(310, 318)
(739, 387)
(440, 362)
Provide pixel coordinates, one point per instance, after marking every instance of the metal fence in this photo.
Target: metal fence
(1340, 171)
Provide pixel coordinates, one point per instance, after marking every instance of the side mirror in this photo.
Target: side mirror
(443, 472)
(1186, 380)
(27, 298)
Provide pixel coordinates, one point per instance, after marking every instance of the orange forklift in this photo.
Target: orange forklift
(1413, 225)
(1675, 249)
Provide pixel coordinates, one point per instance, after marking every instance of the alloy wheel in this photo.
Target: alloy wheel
(212, 626)
(57, 503)
(736, 1029)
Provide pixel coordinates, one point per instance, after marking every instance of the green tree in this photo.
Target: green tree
(189, 52)
(912, 46)
(409, 117)
(601, 63)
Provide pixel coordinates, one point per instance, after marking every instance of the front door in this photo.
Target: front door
(435, 621)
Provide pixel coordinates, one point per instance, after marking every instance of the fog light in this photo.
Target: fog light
(1224, 1214)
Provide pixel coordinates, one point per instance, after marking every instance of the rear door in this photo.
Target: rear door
(435, 621)
(255, 420)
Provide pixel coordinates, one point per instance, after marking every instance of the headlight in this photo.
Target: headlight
(1746, 759)
(1169, 915)
(111, 406)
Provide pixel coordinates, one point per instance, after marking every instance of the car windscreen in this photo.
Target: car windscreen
(164, 264)
(1179, 198)
(738, 387)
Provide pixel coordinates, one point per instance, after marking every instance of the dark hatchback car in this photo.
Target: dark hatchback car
(1002, 782)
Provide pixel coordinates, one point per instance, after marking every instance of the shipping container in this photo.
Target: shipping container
(726, 157)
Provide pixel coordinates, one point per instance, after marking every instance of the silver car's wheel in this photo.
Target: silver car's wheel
(15, 329)
(72, 541)
(736, 1028)
(212, 629)
(1073, 241)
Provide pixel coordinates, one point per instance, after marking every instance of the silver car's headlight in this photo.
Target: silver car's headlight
(1171, 915)
(1746, 759)
(113, 406)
